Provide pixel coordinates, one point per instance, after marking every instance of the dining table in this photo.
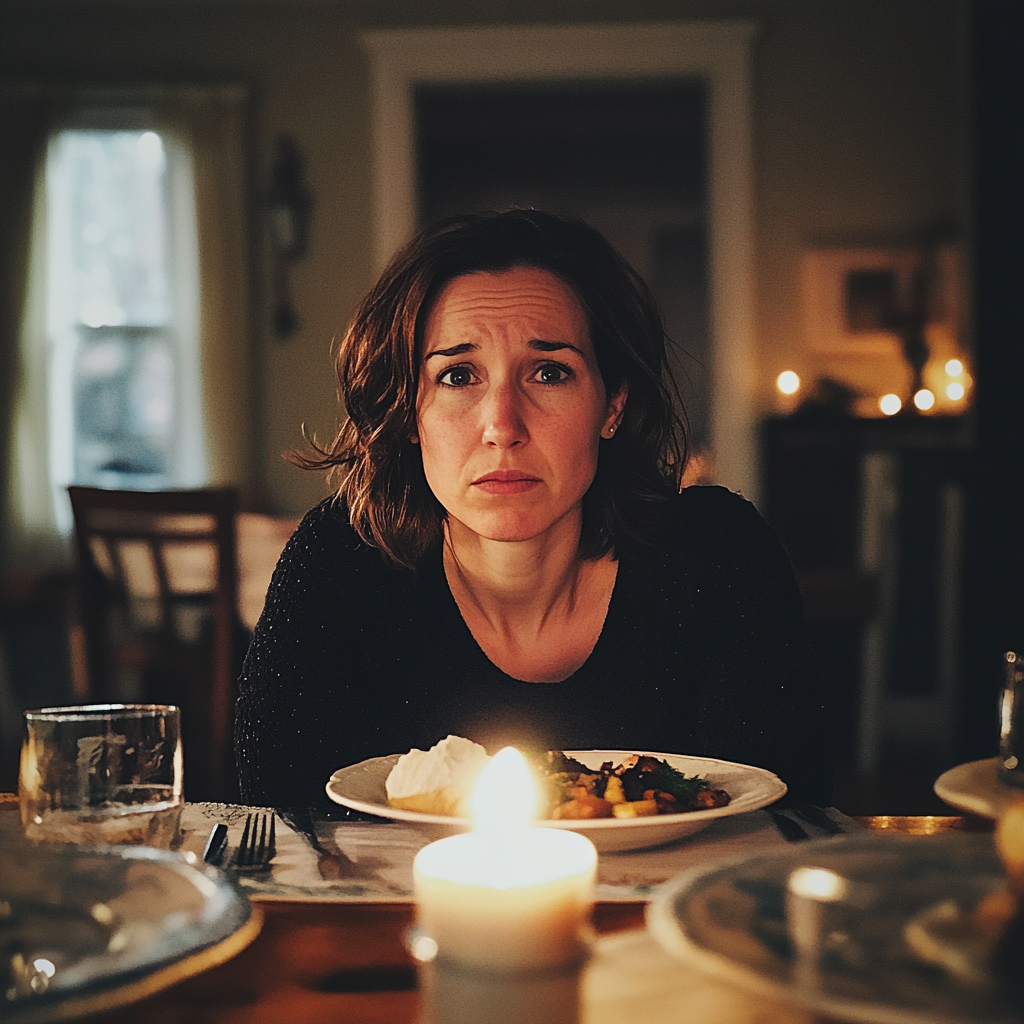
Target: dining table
(333, 944)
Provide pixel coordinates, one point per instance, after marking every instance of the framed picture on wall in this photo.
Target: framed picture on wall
(854, 299)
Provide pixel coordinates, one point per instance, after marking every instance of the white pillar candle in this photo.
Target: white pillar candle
(506, 897)
(809, 890)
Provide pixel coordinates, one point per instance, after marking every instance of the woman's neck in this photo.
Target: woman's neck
(535, 607)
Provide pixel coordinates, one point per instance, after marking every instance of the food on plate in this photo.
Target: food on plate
(640, 787)
(1009, 949)
(439, 780)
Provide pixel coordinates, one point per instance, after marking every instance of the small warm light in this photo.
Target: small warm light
(924, 399)
(890, 404)
(423, 948)
(788, 382)
(44, 967)
(504, 797)
(817, 884)
(1006, 711)
(954, 368)
(955, 391)
(102, 913)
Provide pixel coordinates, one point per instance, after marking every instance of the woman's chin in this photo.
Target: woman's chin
(508, 528)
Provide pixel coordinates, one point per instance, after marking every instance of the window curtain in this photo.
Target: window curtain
(210, 124)
(29, 535)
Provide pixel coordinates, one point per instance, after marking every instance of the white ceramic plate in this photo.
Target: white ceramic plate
(975, 787)
(729, 919)
(361, 787)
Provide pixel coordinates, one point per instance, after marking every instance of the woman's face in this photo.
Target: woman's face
(511, 406)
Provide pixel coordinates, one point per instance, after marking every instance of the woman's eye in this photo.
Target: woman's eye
(456, 377)
(553, 373)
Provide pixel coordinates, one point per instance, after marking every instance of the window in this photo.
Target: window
(123, 358)
(128, 342)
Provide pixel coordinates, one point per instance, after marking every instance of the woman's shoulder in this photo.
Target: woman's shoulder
(713, 526)
(327, 570)
(328, 518)
(711, 496)
(713, 508)
(716, 551)
(325, 542)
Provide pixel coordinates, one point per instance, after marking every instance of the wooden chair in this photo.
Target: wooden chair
(157, 591)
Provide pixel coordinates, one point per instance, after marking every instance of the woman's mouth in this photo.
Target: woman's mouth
(506, 481)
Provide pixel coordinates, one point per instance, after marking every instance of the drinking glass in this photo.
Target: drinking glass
(1011, 722)
(102, 773)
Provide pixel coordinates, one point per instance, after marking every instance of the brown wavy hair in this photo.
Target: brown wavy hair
(379, 471)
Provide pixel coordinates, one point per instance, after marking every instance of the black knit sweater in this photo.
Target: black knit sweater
(702, 652)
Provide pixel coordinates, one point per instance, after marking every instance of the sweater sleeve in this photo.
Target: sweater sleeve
(765, 702)
(296, 698)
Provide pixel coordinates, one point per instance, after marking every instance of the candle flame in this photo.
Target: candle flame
(504, 798)
(818, 884)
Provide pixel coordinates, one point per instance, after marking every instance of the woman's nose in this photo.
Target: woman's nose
(504, 425)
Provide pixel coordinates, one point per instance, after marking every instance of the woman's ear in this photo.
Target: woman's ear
(616, 406)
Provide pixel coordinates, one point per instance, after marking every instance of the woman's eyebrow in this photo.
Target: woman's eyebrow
(455, 350)
(554, 346)
(535, 343)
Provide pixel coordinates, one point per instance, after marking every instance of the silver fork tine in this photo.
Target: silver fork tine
(261, 850)
(245, 845)
(257, 848)
(250, 850)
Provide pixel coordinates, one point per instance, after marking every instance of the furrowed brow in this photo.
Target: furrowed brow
(455, 350)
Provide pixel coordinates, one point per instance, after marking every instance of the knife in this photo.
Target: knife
(791, 831)
(818, 817)
(216, 843)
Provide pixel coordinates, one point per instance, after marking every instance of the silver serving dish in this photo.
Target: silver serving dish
(865, 949)
(84, 929)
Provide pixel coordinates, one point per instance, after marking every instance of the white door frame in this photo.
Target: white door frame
(718, 53)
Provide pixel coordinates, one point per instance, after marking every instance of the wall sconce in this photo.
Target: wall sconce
(290, 204)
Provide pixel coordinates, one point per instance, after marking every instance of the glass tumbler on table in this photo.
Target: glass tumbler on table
(102, 774)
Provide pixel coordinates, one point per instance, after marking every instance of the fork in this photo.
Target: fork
(256, 848)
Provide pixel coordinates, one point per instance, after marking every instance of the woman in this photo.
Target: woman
(509, 556)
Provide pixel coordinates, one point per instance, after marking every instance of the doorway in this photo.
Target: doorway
(715, 54)
(628, 158)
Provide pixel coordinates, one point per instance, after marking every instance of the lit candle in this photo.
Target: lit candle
(506, 898)
(808, 892)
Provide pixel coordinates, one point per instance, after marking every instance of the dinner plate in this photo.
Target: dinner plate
(361, 787)
(86, 929)
(976, 787)
(733, 919)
